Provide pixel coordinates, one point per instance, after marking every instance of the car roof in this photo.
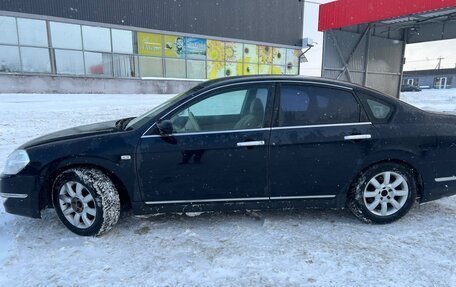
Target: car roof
(260, 78)
(210, 84)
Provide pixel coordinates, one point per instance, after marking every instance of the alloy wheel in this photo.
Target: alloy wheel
(77, 204)
(386, 193)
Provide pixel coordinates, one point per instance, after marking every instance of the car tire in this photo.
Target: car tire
(86, 201)
(383, 193)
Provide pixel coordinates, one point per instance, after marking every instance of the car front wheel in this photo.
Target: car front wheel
(86, 201)
(383, 193)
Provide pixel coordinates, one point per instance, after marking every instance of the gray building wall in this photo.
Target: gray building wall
(363, 57)
(85, 85)
(272, 21)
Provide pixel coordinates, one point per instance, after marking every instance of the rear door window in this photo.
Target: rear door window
(312, 105)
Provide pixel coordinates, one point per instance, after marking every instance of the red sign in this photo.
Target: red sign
(344, 13)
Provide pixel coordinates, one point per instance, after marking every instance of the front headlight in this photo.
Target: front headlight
(16, 162)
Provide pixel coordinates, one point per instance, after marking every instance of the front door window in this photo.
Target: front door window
(230, 110)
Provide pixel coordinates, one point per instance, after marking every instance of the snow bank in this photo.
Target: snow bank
(294, 248)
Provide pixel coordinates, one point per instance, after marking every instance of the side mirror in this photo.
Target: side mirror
(165, 127)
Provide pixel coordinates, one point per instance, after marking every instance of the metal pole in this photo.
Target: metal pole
(366, 59)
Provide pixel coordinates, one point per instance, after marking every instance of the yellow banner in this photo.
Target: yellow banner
(215, 50)
(265, 54)
(174, 46)
(150, 44)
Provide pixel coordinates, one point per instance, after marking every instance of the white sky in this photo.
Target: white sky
(418, 56)
(424, 55)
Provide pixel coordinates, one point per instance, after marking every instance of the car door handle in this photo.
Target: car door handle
(250, 143)
(357, 137)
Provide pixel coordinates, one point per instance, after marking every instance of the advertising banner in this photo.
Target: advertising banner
(264, 69)
(215, 50)
(233, 52)
(293, 57)
(292, 70)
(195, 48)
(278, 56)
(150, 44)
(250, 69)
(233, 69)
(215, 70)
(278, 70)
(264, 54)
(174, 46)
(251, 54)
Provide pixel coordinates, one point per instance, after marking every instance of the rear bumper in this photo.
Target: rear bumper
(20, 194)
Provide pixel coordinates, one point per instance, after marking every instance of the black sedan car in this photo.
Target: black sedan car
(241, 143)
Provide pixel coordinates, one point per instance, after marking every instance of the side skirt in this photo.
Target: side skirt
(141, 208)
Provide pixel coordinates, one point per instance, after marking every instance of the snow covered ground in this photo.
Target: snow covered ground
(432, 100)
(271, 248)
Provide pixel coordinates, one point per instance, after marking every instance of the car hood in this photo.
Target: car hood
(80, 131)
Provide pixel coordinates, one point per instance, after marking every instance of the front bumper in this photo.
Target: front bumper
(21, 194)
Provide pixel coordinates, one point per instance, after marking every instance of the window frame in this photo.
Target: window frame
(361, 116)
(267, 124)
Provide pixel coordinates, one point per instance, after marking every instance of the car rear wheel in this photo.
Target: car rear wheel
(383, 193)
(86, 201)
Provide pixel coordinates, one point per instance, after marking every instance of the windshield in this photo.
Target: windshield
(141, 120)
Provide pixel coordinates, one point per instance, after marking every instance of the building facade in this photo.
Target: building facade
(148, 39)
(430, 79)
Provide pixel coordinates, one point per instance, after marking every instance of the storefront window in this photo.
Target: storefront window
(66, 36)
(122, 41)
(9, 31)
(96, 39)
(215, 50)
(195, 48)
(90, 50)
(278, 70)
(69, 62)
(292, 70)
(250, 53)
(175, 68)
(233, 52)
(250, 69)
(174, 46)
(264, 69)
(9, 59)
(293, 57)
(32, 32)
(35, 60)
(196, 69)
(233, 69)
(279, 56)
(98, 64)
(215, 70)
(125, 66)
(150, 44)
(150, 67)
(264, 55)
